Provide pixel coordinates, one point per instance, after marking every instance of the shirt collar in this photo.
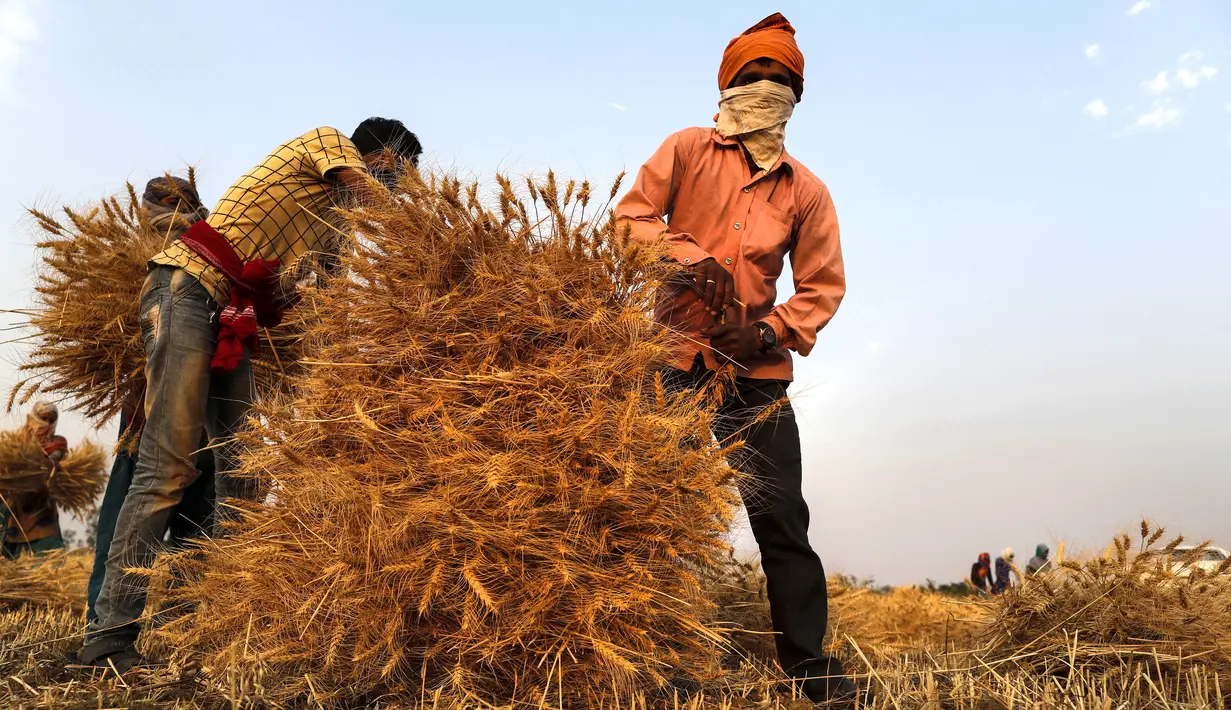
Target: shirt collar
(785, 160)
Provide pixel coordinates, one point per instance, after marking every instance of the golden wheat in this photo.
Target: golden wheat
(483, 488)
(84, 327)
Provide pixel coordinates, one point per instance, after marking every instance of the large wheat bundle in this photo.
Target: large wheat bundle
(85, 330)
(483, 490)
(75, 483)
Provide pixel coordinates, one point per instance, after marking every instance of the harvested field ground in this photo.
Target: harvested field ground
(918, 649)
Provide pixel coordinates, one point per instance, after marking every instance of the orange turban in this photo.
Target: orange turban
(772, 38)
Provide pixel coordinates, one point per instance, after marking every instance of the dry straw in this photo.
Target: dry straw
(54, 579)
(85, 330)
(1129, 606)
(1027, 676)
(75, 483)
(483, 490)
(887, 620)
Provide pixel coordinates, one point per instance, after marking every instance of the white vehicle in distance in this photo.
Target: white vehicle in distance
(1208, 562)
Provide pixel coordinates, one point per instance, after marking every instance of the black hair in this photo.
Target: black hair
(377, 134)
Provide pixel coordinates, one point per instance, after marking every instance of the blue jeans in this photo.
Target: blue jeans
(182, 400)
(190, 519)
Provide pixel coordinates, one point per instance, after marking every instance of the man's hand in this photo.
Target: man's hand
(715, 284)
(736, 342)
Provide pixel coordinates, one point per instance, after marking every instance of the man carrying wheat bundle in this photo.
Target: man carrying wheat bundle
(732, 204)
(203, 301)
(31, 521)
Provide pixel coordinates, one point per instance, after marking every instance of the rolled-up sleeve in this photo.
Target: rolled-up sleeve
(326, 149)
(820, 279)
(644, 208)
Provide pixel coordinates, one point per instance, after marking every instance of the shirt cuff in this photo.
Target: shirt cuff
(689, 254)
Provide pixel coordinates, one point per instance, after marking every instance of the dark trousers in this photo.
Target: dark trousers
(190, 519)
(778, 514)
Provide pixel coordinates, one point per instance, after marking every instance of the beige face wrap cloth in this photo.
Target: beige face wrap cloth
(757, 114)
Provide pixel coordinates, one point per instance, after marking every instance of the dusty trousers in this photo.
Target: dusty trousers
(183, 400)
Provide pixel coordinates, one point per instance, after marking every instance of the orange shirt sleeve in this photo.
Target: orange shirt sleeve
(646, 205)
(820, 279)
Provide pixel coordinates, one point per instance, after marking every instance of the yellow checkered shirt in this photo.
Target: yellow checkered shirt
(282, 209)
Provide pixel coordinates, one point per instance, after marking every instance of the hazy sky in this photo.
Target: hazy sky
(1035, 202)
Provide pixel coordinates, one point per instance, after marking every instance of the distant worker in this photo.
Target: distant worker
(981, 573)
(32, 523)
(172, 207)
(1005, 572)
(1040, 562)
(732, 205)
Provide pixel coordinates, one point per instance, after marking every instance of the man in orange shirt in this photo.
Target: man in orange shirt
(732, 204)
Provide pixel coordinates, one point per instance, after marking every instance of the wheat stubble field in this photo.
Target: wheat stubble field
(1114, 631)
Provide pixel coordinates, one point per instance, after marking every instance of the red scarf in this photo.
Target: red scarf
(254, 295)
(56, 443)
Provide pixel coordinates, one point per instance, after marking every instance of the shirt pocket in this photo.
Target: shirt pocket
(769, 240)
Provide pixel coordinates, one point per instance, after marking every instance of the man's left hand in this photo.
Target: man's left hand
(736, 342)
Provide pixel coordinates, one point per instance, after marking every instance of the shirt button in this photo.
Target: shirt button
(747, 189)
(687, 260)
(728, 260)
(737, 225)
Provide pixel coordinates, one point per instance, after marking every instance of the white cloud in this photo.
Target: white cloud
(1140, 7)
(872, 347)
(1193, 69)
(1096, 109)
(1192, 56)
(1092, 51)
(1158, 83)
(1161, 115)
(17, 29)
(618, 107)
(1191, 78)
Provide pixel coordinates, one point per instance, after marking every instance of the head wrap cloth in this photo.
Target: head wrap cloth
(771, 38)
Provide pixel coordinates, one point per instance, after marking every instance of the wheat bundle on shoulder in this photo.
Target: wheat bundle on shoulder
(483, 489)
(86, 345)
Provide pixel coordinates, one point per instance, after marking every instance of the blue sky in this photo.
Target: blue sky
(1033, 198)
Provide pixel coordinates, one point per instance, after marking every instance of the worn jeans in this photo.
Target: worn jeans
(182, 399)
(773, 494)
(191, 518)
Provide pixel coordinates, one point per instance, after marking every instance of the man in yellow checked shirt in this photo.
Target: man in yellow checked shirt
(203, 300)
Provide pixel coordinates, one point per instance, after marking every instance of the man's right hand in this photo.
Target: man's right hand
(715, 285)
